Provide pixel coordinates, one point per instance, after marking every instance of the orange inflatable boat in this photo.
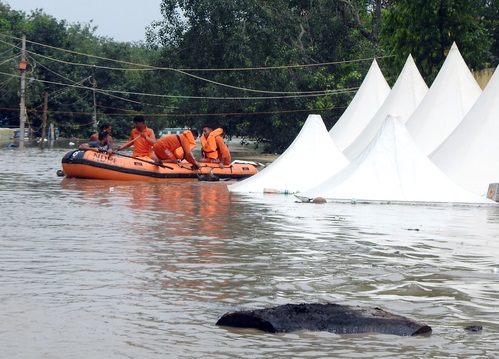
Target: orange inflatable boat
(96, 165)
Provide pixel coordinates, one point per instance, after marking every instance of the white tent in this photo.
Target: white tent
(403, 99)
(310, 159)
(392, 169)
(448, 100)
(470, 155)
(370, 96)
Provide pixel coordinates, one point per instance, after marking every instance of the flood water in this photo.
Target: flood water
(101, 269)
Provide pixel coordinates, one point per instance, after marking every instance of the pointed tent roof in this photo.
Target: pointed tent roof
(448, 100)
(310, 159)
(406, 94)
(369, 97)
(393, 169)
(470, 155)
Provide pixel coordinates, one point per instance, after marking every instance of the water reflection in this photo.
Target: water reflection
(108, 269)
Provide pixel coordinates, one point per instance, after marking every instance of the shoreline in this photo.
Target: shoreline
(264, 158)
(238, 152)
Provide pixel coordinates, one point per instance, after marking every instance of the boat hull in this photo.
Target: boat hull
(96, 165)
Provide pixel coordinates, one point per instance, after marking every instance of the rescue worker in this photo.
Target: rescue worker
(108, 128)
(101, 145)
(141, 138)
(175, 148)
(213, 147)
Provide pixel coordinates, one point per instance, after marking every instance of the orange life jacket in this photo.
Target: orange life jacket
(179, 151)
(209, 145)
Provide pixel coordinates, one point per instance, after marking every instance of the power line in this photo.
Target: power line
(144, 67)
(223, 98)
(245, 89)
(131, 113)
(150, 67)
(186, 72)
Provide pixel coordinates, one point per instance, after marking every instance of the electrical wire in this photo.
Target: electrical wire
(183, 72)
(142, 67)
(186, 72)
(222, 98)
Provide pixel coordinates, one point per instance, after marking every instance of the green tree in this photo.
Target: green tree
(365, 16)
(11, 25)
(490, 16)
(256, 63)
(66, 61)
(427, 29)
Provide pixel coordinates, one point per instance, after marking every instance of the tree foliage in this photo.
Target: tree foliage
(427, 28)
(66, 61)
(365, 16)
(489, 14)
(256, 68)
(262, 62)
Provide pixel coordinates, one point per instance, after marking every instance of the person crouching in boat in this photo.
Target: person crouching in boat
(213, 147)
(108, 128)
(141, 138)
(175, 148)
(101, 145)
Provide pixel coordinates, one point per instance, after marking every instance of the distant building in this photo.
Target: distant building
(172, 131)
(27, 133)
(6, 134)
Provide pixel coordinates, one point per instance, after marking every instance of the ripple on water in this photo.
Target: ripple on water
(106, 269)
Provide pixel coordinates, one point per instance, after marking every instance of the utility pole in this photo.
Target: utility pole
(44, 125)
(94, 117)
(22, 105)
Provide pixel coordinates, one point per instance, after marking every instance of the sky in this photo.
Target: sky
(122, 20)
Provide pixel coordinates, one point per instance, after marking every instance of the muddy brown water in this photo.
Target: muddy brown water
(102, 269)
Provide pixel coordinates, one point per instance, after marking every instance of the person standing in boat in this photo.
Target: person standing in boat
(141, 138)
(101, 145)
(108, 128)
(213, 147)
(175, 148)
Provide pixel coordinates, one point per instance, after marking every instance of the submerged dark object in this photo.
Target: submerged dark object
(473, 328)
(335, 318)
(209, 177)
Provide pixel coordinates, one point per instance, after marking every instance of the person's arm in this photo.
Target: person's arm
(110, 142)
(86, 146)
(130, 142)
(94, 137)
(149, 136)
(186, 146)
(224, 152)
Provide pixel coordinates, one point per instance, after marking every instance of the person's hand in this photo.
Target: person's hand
(221, 165)
(179, 163)
(118, 149)
(195, 166)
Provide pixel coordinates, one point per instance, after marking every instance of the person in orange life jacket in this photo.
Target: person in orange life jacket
(101, 145)
(141, 138)
(174, 148)
(213, 147)
(108, 128)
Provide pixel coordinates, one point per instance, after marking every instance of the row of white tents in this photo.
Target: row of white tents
(405, 144)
